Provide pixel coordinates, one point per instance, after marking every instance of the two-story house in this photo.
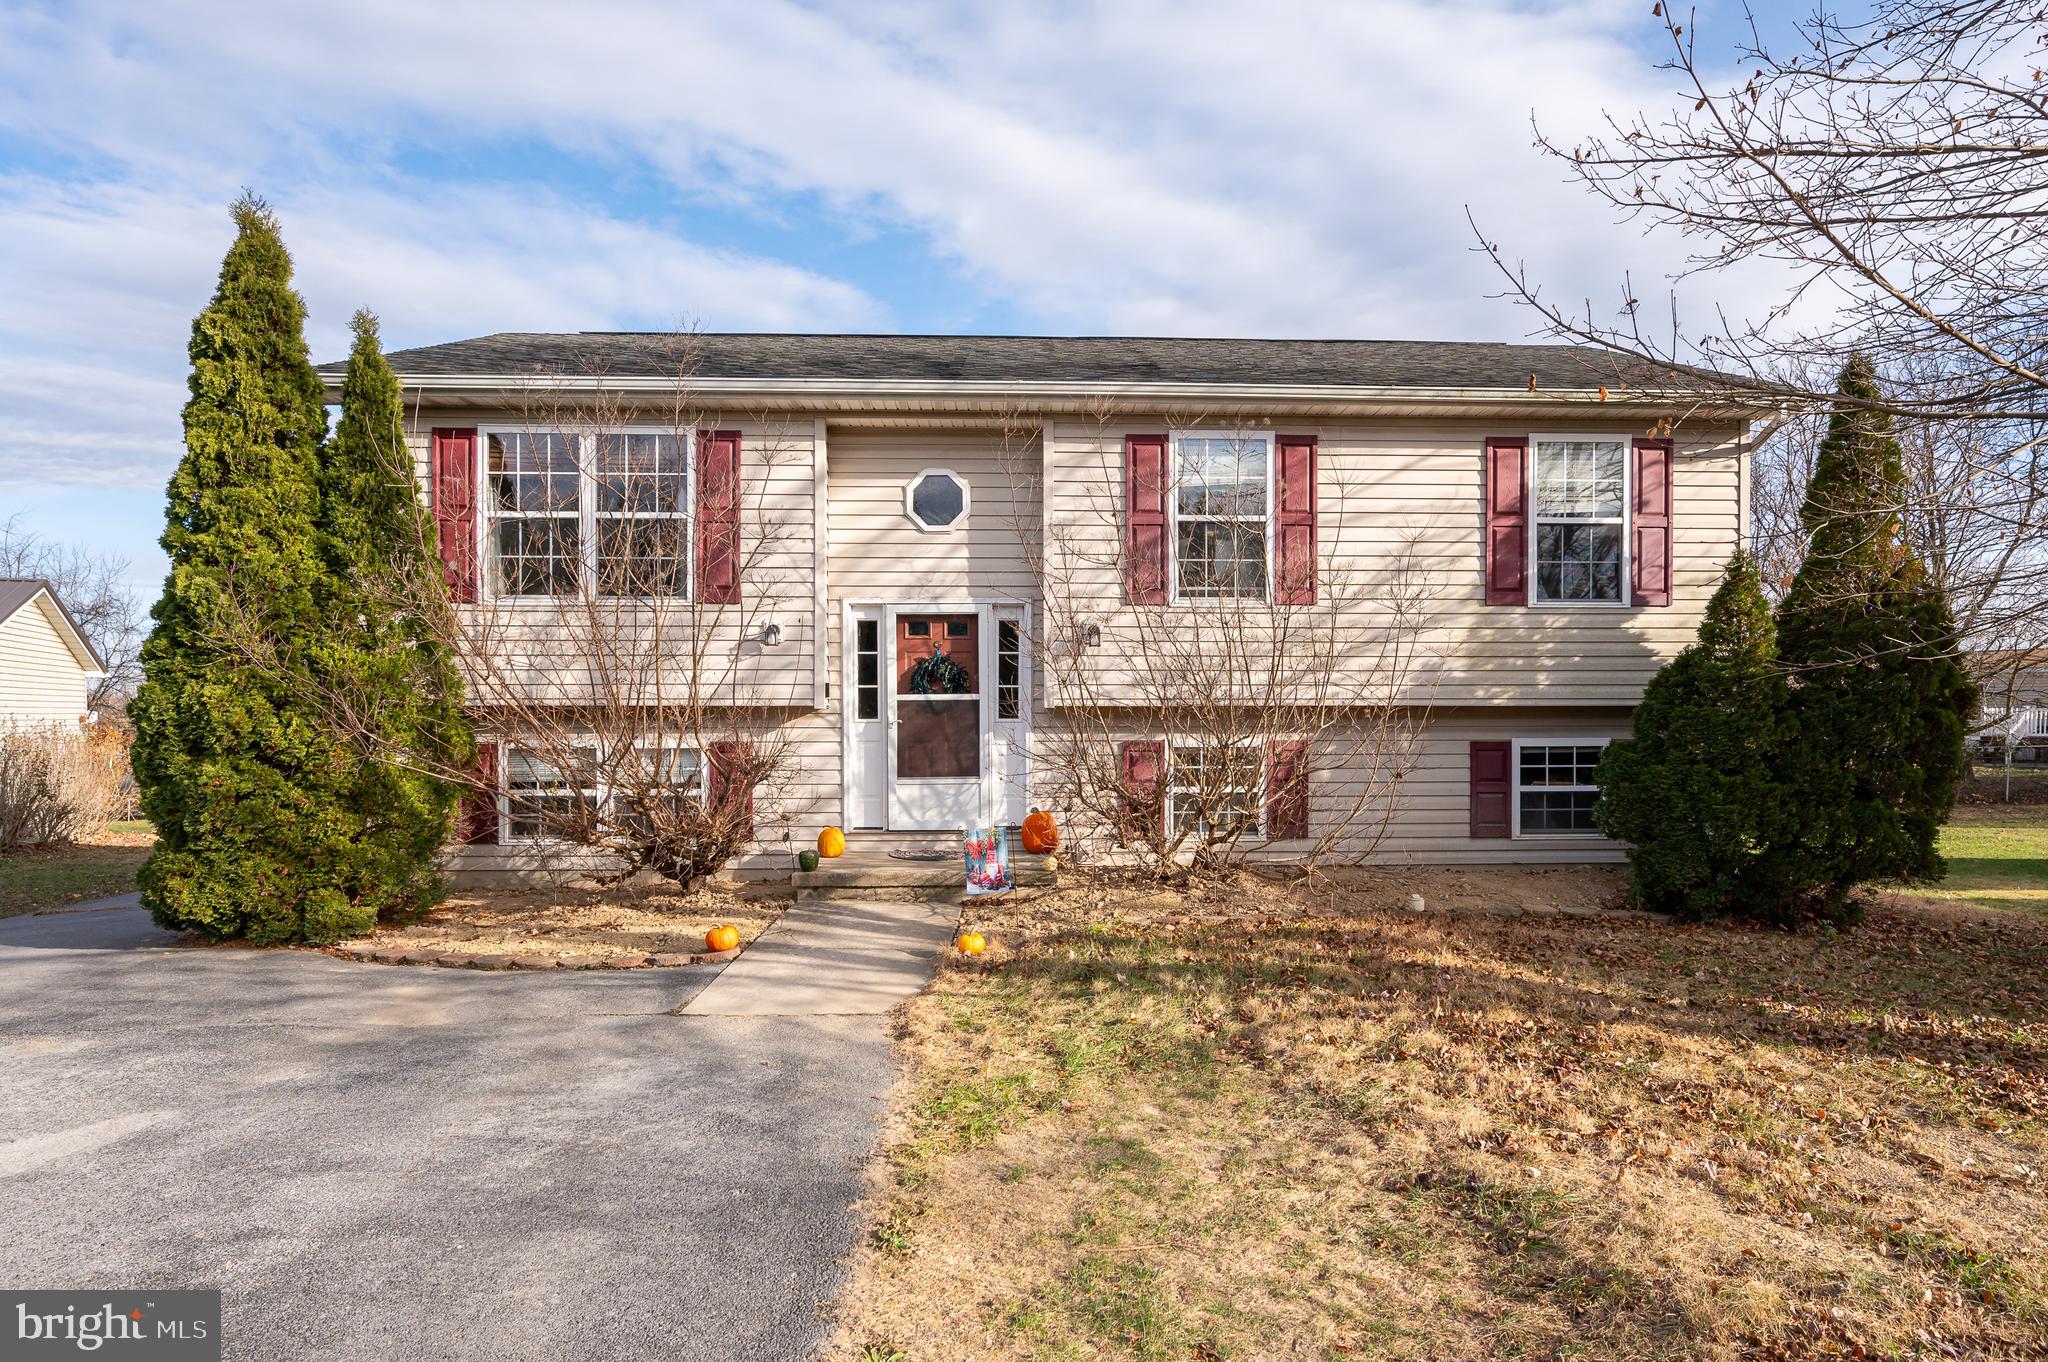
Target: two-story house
(862, 505)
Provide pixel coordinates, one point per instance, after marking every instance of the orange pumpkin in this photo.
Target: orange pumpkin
(1041, 833)
(971, 943)
(722, 938)
(831, 842)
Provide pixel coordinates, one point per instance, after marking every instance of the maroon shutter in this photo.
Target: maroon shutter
(1650, 560)
(454, 488)
(718, 517)
(1507, 520)
(476, 822)
(1145, 515)
(732, 781)
(1493, 787)
(1139, 769)
(1295, 555)
(1287, 792)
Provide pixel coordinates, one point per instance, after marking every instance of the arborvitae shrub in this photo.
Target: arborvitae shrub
(1695, 791)
(375, 644)
(237, 771)
(1878, 698)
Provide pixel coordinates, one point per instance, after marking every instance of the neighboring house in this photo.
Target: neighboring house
(2013, 705)
(46, 665)
(1572, 532)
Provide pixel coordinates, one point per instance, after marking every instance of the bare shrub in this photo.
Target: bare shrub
(58, 784)
(1185, 737)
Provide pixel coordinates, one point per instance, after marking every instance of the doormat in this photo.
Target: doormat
(920, 854)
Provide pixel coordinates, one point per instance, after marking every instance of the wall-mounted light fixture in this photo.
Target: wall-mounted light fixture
(1091, 636)
(771, 635)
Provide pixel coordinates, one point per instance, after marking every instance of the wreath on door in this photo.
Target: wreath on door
(939, 675)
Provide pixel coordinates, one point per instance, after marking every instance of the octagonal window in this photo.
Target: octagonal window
(937, 499)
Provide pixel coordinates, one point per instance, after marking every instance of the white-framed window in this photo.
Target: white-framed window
(1554, 789)
(535, 796)
(1009, 669)
(569, 511)
(1221, 505)
(673, 768)
(1215, 786)
(1578, 511)
(937, 500)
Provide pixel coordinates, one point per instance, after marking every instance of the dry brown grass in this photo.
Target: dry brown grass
(1255, 1127)
(577, 923)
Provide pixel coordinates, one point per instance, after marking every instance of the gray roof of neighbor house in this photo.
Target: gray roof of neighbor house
(16, 592)
(1062, 360)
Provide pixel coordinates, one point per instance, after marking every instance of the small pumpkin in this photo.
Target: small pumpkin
(724, 937)
(1041, 833)
(971, 943)
(831, 842)
(807, 860)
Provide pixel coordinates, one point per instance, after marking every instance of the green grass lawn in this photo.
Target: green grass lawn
(92, 870)
(1997, 857)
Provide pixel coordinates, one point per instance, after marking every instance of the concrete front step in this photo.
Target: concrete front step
(867, 864)
(896, 874)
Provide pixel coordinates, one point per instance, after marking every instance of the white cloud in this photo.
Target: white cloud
(1295, 168)
(103, 280)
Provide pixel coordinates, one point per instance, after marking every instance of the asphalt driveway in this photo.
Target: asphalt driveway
(393, 1163)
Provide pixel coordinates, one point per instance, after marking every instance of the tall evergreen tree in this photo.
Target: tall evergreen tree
(1695, 792)
(236, 771)
(381, 570)
(1880, 700)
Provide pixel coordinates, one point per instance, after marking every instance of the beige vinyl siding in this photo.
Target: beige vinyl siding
(1429, 821)
(777, 497)
(41, 681)
(1409, 494)
(1490, 672)
(878, 553)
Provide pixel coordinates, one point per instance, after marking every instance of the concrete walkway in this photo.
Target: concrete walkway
(831, 958)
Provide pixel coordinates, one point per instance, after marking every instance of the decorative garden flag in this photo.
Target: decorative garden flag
(988, 860)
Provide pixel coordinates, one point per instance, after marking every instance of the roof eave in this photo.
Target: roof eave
(910, 393)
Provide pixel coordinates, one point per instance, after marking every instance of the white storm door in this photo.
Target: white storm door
(935, 684)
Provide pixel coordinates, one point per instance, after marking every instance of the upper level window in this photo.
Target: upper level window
(606, 512)
(1222, 504)
(1580, 494)
(1554, 789)
(937, 499)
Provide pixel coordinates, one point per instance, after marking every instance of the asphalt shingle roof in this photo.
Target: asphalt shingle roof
(15, 592)
(1047, 359)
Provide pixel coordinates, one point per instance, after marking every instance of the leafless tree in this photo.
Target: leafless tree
(641, 716)
(92, 587)
(1256, 719)
(1973, 507)
(1896, 167)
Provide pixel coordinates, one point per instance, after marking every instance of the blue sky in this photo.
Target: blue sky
(461, 168)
